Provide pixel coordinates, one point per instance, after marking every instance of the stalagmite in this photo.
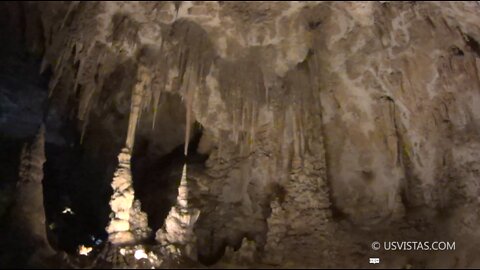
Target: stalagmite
(285, 228)
(277, 230)
(177, 235)
(121, 201)
(28, 212)
(128, 224)
(296, 149)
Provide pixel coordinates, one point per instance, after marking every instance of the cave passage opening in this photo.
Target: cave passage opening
(23, 95)
(76, 192)
(77, 179)
(156, 178)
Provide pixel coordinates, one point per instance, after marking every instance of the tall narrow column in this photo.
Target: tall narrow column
(177, 235)
(28, 215)
(122, 229)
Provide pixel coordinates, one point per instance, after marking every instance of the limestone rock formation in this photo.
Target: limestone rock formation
(177, 235)
(315, 128)
(245, 256)
(139, 222)
(28, 213)
(128, 224)
(299, 222)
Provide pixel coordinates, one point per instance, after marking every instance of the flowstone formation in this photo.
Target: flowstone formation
(300, 221)
(177, 237)
(315, 128)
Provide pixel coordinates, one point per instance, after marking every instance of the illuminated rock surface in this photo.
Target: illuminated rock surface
(177, 236)
(310, 129)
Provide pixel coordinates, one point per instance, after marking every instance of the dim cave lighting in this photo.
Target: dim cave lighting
(306, 134)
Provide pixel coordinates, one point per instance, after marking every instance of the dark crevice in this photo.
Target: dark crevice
(472, 43)
(456, 51)
(76, 180)
(312, 25)
(212, 256)
(23, 93)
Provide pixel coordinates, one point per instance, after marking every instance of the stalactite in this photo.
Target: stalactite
(84, 129)
(158, 83)
(267, 97)
(220, 146)
(92, 87)
(71, 7)
(78, 49)
(43, 65)
(83, 60)
(188, 121)
(189, 88)
(156, 100)
(58, 72)
(286, 144)
(143, 104)
(85, 99)
(234, 125)
(253, 124)
(143, 79)
(295, 133)
(301, 132)
(244, 114)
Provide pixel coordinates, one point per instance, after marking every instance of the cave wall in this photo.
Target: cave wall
(313, 114)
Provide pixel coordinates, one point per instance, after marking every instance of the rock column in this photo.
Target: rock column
(28, 213)
(128, 223)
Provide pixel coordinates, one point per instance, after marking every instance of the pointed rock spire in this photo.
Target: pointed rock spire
(177, 235)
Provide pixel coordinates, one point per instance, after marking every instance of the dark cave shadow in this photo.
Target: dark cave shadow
(72, 180)
(156, 181)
